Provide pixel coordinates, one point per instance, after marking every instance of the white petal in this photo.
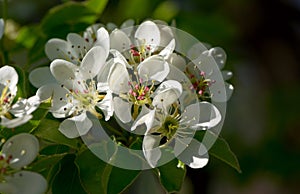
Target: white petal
(119, 40)
(168, 49)
(209, 116)
(103, 40)
(106, 105)
(8, 188)
(218, 54)
(12, 123)
(178, 61)
(166, 34)
(154, 68)
(23, 148)
(26, 182)
(195, 154)
(75, 126)
(58, 49)
(41, 76)
(148, 32)
(118, 78)
(128, 23)
(166, 94)
(78, 44)
(9, 77)
(151, 150)
(146, 119)
(64, 72)
(196, 50)
(122, 109)
(226, 74)
(25, 106)
(1, 27)
(93, 62)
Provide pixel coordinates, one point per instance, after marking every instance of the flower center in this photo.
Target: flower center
(139, 93)
(139, 53)
(169, 126)
(6, 100)
(85, 99)
(200, 84)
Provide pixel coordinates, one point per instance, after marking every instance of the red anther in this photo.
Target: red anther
(136, 86)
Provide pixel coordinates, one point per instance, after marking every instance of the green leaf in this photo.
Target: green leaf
(44, 164)
(67, 180)
(93, 172)
(68, 17)
(171, 177)
(220, 148)
(48, 130)
(98, 176)
(96, 5)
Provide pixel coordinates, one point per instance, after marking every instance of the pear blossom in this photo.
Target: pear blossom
(1, 27)
(136, 87)
(78, 94)
(205, 76)
(74, 50)
(146, 41)
(18, 152)
(174, 130)
(18, 113)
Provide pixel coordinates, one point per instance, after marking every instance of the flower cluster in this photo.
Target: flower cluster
(130, 73)
(136, 79)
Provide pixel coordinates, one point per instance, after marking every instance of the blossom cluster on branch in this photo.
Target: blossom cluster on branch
(133, 83)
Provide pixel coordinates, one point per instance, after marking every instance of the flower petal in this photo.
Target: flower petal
(122, 109)
(41, 76)
(218, 54)
(93, 62)
(147, 119)
(106, 105)
(59, 49)
(75, 126)
(25, 106)
(23, 148)
(119, 40)
(27, 182)
(149, 34)
(209, 116)
(195, 154)
(12, 123)
(64, 72)
(226, 74)
(166, 94)
(103, 40)
(196, 50)
(177, 60)
(168, 49)
(153, 68)
(118, 78)
(9, 77)
(151, 149)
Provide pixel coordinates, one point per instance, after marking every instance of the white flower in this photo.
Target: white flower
(17, 152)
(1, 27)
(79, 94)
(147, 41)
(73, 50)
(174, 130)
(134, 87)
(204, 62)
(13, 115)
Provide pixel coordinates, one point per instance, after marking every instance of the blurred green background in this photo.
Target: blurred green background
(262, 41)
